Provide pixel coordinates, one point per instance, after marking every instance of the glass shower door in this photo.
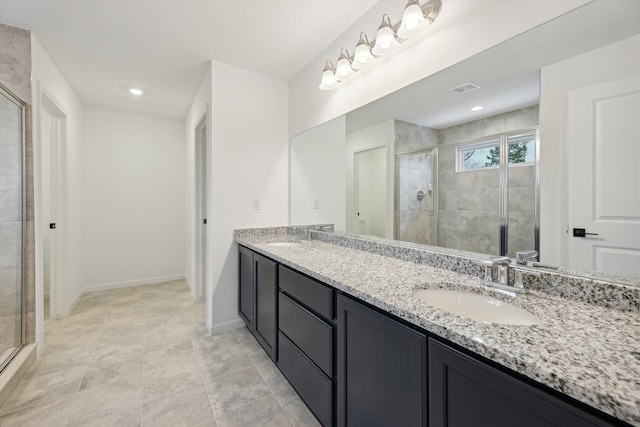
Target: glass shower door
(11, 221)
(414, 198)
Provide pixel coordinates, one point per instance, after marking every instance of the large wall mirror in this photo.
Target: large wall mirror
(427, 165)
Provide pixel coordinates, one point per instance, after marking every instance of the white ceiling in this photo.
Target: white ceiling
(508, 73)
(104, 47)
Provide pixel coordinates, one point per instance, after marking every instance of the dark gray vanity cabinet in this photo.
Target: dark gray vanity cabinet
(258, 298)
(355, 365)
(465, 392)
(246, 288)
(306, 311)
(382, 379)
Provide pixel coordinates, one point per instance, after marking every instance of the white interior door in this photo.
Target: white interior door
(371, 191)
(603, 164)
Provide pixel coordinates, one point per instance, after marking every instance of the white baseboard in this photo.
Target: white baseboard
(131, 283)
(225, 327)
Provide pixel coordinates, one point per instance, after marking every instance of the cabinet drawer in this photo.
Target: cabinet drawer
(314, 295)
(312, 385)
(310, 333)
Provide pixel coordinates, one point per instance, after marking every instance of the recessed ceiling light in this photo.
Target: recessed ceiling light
(477, 108)
(135, 91)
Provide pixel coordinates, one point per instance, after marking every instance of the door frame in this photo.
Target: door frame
(352, 181)
(202, 205)
(59, 297)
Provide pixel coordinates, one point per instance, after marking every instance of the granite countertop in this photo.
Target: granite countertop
(585, 351)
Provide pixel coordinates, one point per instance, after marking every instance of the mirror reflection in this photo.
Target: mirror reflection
(454, 160)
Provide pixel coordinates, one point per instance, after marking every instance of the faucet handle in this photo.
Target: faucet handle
(519, 280)
(523, 257)
(489, 265)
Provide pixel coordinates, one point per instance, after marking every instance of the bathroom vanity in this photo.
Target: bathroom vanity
(341, 318)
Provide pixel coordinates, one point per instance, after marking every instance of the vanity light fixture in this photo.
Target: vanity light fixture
(415, 19)
(476, 108)
(386, 39)
(135, 91)
(362, 55)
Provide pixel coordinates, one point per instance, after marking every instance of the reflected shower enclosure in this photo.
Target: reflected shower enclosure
(12, 119)
(415, 198)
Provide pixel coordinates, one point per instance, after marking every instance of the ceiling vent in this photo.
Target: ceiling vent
(465, 88)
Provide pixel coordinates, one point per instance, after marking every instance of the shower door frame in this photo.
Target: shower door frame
(23, 232)
(434, 192)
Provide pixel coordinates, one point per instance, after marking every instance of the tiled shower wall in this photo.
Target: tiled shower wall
(468, 211)
(17, 288)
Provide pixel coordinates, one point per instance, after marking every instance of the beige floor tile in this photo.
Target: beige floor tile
(255, 351)
(295, 408)
(52, 413)
(237, 389)
(128, 418)
(116, 374)
(221, 362)
(265, 412)
(44, 388)
(97, 403)
(171, 382)
(272, 376)
(55, 362)
(105, 351)
(185, 409)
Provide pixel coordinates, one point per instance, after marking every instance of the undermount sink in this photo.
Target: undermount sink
(482, 308)
(284, 244)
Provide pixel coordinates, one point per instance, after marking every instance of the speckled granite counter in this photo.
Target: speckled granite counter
(586, 351)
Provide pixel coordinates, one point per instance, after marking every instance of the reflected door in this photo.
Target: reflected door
(603, 173)
(370, 191)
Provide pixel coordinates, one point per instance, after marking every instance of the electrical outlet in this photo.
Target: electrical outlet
(316, 203)
(256, 204)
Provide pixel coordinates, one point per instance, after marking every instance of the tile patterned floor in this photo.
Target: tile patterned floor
(141, 357)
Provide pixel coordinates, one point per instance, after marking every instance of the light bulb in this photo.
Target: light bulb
(412, 16)
(328, 78)
(385, 38)
(362, 54)
(343, 68)
(413, 20)
(328, 81)
(135, 91)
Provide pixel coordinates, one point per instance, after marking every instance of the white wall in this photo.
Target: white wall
(382, 134)
(47, 79)
(613, 62)
(199, 108)
(464, 28)
(318, 172)
(249, 136)
(134, 198)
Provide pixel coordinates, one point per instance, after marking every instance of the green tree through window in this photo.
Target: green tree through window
(517, 154)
